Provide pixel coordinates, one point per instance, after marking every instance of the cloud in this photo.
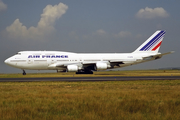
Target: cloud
(2, 6)
(100, 32)
(123, 34)
(45, 25)
(150, 13)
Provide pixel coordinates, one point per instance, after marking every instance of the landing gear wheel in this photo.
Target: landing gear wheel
(84, 72)
(24, 73)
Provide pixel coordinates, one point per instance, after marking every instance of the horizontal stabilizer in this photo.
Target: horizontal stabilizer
(158, 56)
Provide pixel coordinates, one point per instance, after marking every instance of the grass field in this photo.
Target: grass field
(113, 100)
(99, 74)
(117, 100)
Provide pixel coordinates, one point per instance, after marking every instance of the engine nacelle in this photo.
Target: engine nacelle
(101, 66)
(72, 68)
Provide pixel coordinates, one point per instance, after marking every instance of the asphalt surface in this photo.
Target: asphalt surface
(92, 79)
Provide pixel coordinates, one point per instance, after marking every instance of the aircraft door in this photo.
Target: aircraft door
(30, 61)
(53, 61)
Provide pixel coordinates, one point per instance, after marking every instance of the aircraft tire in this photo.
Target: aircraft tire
(85, 72)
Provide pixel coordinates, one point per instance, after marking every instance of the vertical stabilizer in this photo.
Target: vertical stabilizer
(152, 44)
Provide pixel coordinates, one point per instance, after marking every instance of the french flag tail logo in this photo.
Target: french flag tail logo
(153, 43)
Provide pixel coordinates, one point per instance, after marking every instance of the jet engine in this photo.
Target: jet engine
(101, 66)
(72, 68)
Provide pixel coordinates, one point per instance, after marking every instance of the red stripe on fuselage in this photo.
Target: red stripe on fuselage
(156, 46)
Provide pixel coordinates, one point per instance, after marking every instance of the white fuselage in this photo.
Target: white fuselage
(44, 60)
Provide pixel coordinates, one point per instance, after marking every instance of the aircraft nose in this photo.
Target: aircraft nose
(6, 61)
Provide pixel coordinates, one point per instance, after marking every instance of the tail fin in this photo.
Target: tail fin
(152, 44)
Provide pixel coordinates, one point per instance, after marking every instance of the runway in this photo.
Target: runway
(91, 79)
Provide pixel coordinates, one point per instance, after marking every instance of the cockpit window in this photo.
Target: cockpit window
(18, 53)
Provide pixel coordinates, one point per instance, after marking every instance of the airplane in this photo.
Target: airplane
(82, 63)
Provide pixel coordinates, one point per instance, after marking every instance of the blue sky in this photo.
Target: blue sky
(88, 26)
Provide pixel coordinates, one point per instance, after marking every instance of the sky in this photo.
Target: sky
(88, 26)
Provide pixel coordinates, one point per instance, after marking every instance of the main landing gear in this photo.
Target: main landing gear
(24, 73)
(84, 72)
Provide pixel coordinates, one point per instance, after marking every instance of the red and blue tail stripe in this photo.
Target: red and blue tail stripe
(154, 43)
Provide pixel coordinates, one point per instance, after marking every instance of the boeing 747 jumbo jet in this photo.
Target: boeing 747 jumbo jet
(82, 63)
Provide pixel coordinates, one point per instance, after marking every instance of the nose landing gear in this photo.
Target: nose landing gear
(24, 73)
